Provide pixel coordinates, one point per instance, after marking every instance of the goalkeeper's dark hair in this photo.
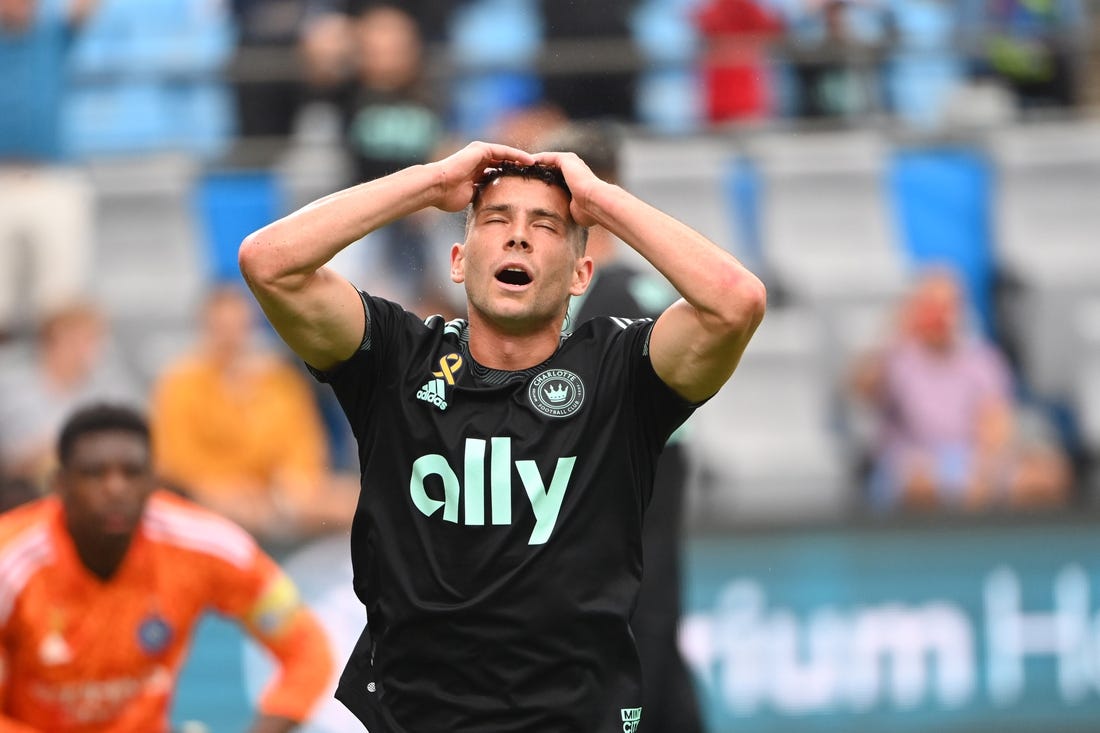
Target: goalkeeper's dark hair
(99, 417)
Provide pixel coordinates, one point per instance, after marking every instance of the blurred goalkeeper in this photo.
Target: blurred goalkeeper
(102, 583)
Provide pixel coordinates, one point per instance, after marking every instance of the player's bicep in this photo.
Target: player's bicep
(691, 358)
(322, 320)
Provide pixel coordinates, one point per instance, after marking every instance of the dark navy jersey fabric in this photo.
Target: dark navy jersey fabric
(497, 541)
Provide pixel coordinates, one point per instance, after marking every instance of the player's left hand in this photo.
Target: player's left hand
(580, 179)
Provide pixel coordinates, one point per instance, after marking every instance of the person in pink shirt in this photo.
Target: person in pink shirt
(947, 416)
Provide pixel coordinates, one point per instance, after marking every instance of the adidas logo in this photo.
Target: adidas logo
(433, 392)
(556, 395)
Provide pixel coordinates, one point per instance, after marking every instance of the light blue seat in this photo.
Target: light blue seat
(147, 76)
(493, 46)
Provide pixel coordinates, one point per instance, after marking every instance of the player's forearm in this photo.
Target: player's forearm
(305, 666)
(726, 295)
(287, 252)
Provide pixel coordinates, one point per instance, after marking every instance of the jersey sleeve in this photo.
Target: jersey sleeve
(358, 379)
(658, 408)
(14, 521)
(266, 603)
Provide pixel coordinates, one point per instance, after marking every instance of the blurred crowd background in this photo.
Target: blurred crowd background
(917, 182)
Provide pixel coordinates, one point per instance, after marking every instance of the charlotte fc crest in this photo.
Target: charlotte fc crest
(556, 392)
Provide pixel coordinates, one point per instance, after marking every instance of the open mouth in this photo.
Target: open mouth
(513, 276)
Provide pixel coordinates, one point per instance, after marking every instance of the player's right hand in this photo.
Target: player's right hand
(457, 174)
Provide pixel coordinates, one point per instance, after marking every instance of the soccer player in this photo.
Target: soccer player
(101, 585)
(506, 466)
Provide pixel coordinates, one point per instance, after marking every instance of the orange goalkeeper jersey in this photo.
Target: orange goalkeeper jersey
(80, 655)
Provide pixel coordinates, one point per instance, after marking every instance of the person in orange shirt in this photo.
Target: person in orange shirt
(102, 583)
(238, 429)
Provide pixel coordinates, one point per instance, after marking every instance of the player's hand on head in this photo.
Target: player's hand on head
(580, 179)
(459, 172)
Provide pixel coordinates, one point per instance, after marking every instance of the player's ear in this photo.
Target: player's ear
(458, 263)
(582, 275)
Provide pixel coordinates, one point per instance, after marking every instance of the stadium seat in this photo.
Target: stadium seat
(231, 205)
(147, 76)
(1046, 223)
(826, 229)
(495, 70)
(827, 238)
(1087, 381)
(668, 98)
(765, 447)
(149, 262)
(684, 177)
(943, 196)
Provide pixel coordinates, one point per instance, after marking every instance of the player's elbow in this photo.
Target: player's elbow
(253, 258)
(260, 262)
(743, 307)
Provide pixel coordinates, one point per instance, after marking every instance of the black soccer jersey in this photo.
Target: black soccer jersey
(497, 541)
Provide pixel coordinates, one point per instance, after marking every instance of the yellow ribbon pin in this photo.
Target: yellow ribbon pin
(448, 365)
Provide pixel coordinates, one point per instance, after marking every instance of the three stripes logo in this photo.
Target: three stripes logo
(434, 390)
(624, 322)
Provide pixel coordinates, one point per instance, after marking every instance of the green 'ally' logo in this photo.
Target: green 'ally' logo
(470, 491)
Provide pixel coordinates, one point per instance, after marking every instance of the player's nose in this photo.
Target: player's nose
(518, 242)
(116, 483)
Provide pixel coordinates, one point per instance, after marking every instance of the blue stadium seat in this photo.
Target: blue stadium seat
(942, 199)
(230, 206)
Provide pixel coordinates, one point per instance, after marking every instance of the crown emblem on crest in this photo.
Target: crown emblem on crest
(558, 394)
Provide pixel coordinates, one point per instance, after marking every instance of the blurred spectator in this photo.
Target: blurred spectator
(45, 206)
(926, 67)
(526, 128)
(1032, 45)
(950, 433)
(394, 122)
(326, 52)
(620, 289)
(237, 428)
(597, 79)
(735, 74)
(837, 56)
(267, 104)
(72, 364)
(105, 580)
(433, 17)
